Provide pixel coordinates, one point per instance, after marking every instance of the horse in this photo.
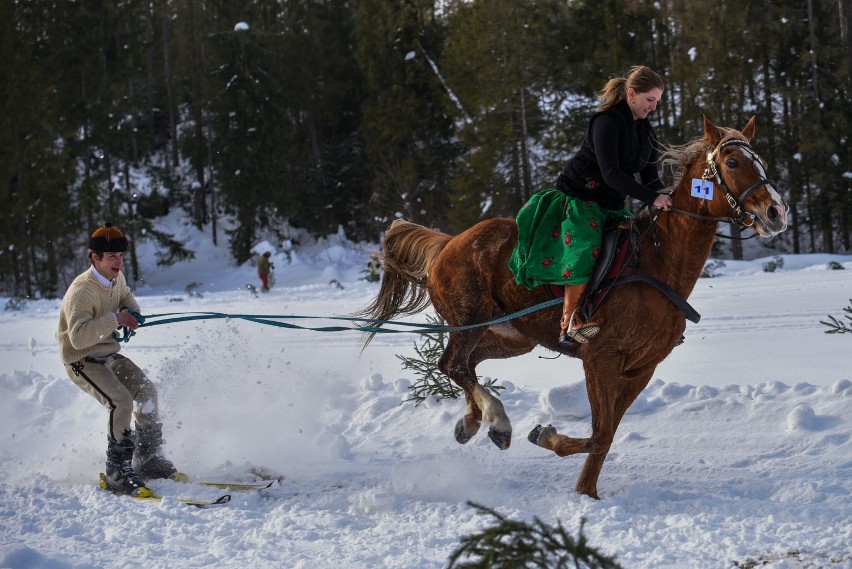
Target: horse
(467, 280)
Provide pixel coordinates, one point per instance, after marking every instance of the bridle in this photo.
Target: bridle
(742, 218)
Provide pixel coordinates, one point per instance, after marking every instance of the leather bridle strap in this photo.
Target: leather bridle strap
(712, 171)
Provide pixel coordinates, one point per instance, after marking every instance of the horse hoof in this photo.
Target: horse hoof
(538, 431)
(462, 435)
(591, 493)
(534, 434)
(500, 438)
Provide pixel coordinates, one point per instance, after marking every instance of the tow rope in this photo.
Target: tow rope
(374, 326)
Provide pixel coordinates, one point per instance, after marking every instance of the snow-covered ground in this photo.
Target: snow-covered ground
(739, 453)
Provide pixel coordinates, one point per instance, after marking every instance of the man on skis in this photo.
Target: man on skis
(96, 303)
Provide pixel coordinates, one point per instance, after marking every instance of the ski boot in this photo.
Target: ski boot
(120, 476)
(149, 464)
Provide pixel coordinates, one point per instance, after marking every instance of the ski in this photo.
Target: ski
(145, 494)
(237, 486)
(221, 500)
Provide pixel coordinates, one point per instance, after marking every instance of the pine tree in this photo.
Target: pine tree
(499, 59)
(405, 123)
(34, 167)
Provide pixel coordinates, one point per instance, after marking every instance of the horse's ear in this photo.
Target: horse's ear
(748, 130)
(712, 133)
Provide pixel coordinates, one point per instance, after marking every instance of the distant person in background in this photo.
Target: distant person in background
(264, 267)
(374, 268)
(96, 303)
(287, 249)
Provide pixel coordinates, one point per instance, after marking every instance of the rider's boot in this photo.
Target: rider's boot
(148, 461)
(120, 476)
(571, 327)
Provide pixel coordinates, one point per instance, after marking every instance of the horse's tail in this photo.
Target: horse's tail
(408, 252)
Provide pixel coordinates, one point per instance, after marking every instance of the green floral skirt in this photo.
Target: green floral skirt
(559, 239)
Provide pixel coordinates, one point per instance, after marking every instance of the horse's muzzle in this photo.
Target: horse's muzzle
(774, 221)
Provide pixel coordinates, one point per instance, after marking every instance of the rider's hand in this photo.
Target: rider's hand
(126, 319)
(663, 202)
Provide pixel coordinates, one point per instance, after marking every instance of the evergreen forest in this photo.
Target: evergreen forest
(247, 117)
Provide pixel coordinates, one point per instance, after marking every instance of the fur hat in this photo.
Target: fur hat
(108, 239)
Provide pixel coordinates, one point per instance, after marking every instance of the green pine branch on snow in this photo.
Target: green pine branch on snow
(837, 326)
(513, 544)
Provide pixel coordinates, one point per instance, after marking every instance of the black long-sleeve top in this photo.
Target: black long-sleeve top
(616, 147)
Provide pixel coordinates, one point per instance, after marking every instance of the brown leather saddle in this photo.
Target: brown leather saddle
(615, 247)
(618, 248)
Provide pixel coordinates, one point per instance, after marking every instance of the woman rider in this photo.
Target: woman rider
(560, 230)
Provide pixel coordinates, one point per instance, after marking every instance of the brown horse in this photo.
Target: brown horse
(468, 281)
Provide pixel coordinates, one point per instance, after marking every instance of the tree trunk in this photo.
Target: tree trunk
(131, 229)
(844, 8)
(170, 98)
(736, 244)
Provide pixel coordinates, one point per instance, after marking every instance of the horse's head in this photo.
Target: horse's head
(750, 197)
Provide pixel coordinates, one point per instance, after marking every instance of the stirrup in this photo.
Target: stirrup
(580, 335)
(584, 333)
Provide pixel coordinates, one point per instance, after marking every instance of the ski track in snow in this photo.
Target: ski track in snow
(717, 464)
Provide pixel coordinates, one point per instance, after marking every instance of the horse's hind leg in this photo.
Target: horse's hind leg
(457, 363)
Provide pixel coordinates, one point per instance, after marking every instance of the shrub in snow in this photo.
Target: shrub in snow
(775, 263)
(711, 267)
(838, 326)
(15, 304)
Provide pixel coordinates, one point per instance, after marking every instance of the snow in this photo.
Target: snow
(739, 452)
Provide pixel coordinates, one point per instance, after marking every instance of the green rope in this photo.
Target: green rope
(375, 327)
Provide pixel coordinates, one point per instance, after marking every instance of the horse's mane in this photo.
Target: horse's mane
(679, 158)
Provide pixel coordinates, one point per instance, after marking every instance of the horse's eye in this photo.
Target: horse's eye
(731, 163)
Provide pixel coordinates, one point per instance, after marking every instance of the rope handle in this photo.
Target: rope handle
(127, 333)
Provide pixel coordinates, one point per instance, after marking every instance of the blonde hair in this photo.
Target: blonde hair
(640, 78)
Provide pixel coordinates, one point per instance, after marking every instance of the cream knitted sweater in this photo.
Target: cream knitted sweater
(86, 319)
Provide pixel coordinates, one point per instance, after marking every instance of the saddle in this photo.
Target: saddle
(614, 248)
(619, 240)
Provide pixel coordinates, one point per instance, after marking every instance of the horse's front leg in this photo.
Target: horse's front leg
(597, 447)
(601, 399)
(609, 402)
(562, 445)
(604, 386)
(631, 385)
